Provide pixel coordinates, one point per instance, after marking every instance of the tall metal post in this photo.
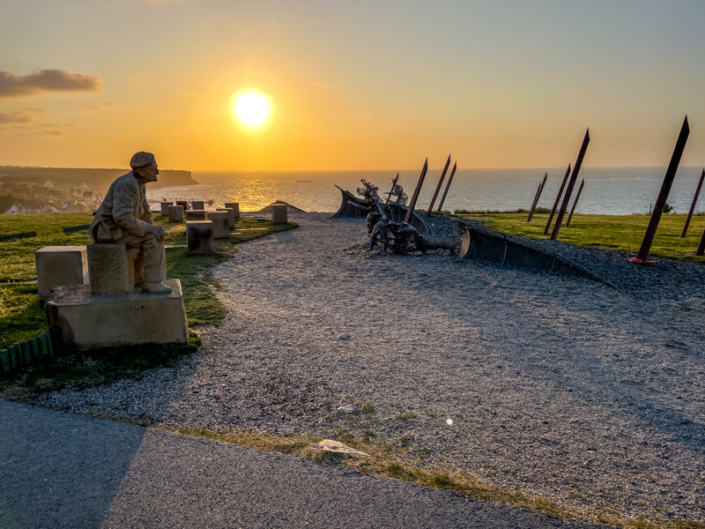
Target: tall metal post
(575, 203)
(415, 196)
(663, 195)
(450, 180)
(558, 198)
(701, 248)
(536, 198)
(692, 206)
(438, 187)
(571, 185)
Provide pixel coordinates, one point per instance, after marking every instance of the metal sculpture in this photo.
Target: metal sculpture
(450, 179)
(692, 206)
(575, 203)
(537, 196)
(438, 187)
(571, 185)
(415, 196)
(558, 198)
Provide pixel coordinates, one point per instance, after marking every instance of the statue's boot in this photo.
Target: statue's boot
(156, 287)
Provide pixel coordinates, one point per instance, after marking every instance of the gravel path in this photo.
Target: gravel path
(555, 386)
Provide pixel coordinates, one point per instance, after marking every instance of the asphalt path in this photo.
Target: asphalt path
(60, 470)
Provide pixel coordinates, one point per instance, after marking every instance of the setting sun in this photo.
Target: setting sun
(251, 108)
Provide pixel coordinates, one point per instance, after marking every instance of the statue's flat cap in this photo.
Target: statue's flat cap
(141, 159)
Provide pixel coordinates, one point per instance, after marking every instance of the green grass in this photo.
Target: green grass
(22, 318)
(611, 232)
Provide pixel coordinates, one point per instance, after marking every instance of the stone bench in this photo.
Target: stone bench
(60, 265)
(221, 224)
(199, 237)
(279, 214)
(114, 269)
(198, 204)
(164, 208)
(231, 216)
(176, 213)
(196, 214)
(235, 206)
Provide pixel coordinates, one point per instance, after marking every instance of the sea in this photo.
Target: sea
(607, 191)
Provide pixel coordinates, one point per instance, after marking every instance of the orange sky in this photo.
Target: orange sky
(363, 86)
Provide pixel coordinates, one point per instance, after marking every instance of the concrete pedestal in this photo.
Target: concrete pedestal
(176, 213)
(164, 208)
(79, 320)
(231, 216)
(183, 203)
(196, 214)
(234, 206)
(111, 268)
(279, 214)
(199, 237)
(221, 224)
(198, 204)
(60, 265)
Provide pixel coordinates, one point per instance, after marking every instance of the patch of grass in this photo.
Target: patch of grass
(612, 232)
(90, 368)
(406, 416)
(368, 408)
(21, 317)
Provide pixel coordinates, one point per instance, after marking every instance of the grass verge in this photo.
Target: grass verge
(384, 462)
(610, 232)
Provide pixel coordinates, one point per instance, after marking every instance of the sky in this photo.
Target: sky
(352, 85)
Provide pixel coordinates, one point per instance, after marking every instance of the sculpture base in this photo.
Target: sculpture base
(643, 262)
(79, 320)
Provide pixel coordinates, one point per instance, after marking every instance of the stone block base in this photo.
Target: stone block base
(111, 268)
(164, 208)
(176, 213)
(279, 214)
(199, 237)
(196, 214)
(60, 265)
(234, 206)
(221, 224)
(198, 204)
(231, 216)
(79, 320)
(183, 203)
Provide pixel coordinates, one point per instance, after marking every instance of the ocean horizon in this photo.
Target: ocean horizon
(607, 191)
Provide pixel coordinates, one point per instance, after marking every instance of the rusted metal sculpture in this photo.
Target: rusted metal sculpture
(692, 206)
(571, 185)
(575, 203)
(438, 187)
(537, 196)
(701, 248)
(558, 198)
(415, 196)
(663, 196)
(450, 179)
(391, 191)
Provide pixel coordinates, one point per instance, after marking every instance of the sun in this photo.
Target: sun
(251, 109)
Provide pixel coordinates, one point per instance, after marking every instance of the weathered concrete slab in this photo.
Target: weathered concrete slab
(60, 265)
(279, 214)
(111, 268)
(164, 208)
(196, 214)
(231, 216)
(183, 203)
(176, 213)
(198, 204)
(234, 206)
(199, 237)
(221, 224)
(80, 320)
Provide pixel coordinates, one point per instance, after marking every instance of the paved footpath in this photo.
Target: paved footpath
(62, 470)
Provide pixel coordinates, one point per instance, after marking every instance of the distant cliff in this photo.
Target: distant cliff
(97, 179)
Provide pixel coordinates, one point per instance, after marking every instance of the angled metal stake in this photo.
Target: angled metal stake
(415, 196)
(438, 187)
(558, 198)
(692, 206)
(571, 185)
(394, 184)
(575, 203)
(536, 198)
(450, 180)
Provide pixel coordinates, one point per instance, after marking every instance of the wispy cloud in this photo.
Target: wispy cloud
(102, 106)
(13, 85)
(7, 118)
(50, 132)
(323, 85)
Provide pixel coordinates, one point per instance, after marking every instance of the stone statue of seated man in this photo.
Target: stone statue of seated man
(124, 218)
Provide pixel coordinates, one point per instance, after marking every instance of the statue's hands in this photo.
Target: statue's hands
(157, 232)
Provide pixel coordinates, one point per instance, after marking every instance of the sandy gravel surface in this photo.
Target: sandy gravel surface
(556, 386)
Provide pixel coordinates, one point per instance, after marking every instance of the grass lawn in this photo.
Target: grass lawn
(612, 232)
(21, 317)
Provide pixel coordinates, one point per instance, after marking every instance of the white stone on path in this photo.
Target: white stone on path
(328, 445)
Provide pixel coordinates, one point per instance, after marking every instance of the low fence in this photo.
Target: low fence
(20, 355)
(74, 229)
